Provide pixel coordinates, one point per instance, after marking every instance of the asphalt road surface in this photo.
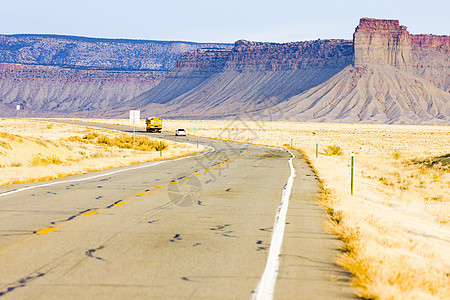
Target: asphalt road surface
(197, 227)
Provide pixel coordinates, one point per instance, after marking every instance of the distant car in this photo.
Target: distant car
(180, 132)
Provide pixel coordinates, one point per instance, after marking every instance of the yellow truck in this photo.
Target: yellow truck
(154, 124)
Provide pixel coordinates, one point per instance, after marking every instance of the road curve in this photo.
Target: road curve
(197, 227)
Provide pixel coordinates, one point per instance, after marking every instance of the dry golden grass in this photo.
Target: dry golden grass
(33, 151)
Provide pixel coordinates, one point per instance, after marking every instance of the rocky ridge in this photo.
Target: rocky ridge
(258, 56)
(431, 59)
(430, 40)
(202, 62)
(95, 53)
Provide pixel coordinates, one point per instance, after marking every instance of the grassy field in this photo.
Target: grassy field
(35, 151)
(396, 225)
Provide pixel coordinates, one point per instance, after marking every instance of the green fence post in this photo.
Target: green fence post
(317, 150)
(351, 174)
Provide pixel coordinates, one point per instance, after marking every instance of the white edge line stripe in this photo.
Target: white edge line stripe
(266, 285)
(102, 175)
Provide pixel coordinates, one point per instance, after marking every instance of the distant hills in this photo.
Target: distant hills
(383, 75)
(51, 75)
(95, 53)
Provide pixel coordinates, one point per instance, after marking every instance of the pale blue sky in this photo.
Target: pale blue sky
(217, 21)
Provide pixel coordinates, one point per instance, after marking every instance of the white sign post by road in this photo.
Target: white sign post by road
(135, 116)
(18, 110)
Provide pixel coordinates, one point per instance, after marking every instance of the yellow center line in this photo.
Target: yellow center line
(15, 245)
(174, 181)
(187, 177)
(198, 173)
(141, 194)
(90, 213)
(46, 230)
(120, 203)
(158, 186)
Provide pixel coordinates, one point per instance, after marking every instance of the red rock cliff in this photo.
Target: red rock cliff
(431, 59)
(382, 42)
(201, 63)
(260, 56)
(430, 40)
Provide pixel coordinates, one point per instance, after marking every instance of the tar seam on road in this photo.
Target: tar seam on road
(100, 175)
(266, 285)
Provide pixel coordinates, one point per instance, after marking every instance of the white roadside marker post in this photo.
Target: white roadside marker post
(135, 116)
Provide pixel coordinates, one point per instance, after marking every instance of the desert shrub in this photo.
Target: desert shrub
(16, 164)
(74, 138)
(146, 144)
(141, 143)
(96, 155)
(39, 160)
(6, 135)
(287, 145)
(104, 140)
(5, 145)
(55, 160)
(126, 146)
(334, 150)
(123, 141)
(385, 181)
(90, 136)
(161, 146)
(396, 154)
(42, 143)
(54, 143)
(146, 148)
(11, 137)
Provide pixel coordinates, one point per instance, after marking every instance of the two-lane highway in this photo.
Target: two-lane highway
(196, 227)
